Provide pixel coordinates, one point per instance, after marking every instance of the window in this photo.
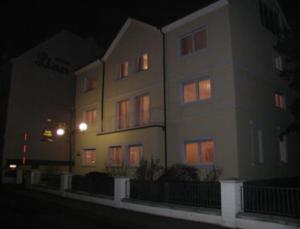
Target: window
(90, 84)
(123, 114)
(279, 100)
(269, 18)
(90, 116)
(196, 90)
(135, 154)
(124, 70)
(283, 150)
(201, 152)
(115, 156)
(142, 110)
(89, 157)
(143, 62)
(193, 42)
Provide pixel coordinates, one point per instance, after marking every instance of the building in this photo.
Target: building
(41, 88)
(204, 91)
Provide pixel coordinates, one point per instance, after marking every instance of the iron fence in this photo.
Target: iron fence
(279, 201)
(199, 194)
(95, 186)
(50, 180)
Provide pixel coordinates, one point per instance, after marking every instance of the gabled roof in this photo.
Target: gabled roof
(195, 15)
(122, 32)
(87, 67)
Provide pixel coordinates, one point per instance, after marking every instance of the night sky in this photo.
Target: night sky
(24, 24)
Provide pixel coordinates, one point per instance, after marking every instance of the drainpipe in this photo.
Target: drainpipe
(165, 98)
(102, 94)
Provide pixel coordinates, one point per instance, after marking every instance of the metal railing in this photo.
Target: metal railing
(133, 120)
(94, 186)
(198, 194)
(279, 201)
(50, 180)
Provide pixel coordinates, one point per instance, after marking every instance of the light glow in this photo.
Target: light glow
(83, 126)
(12, 166)
(60, 132)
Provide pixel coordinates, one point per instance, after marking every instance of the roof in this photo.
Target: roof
(122, 32)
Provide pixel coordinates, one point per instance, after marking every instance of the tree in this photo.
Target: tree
(289, 50)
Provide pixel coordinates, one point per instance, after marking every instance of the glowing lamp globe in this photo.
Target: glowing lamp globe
(83, 126)
(60, 132)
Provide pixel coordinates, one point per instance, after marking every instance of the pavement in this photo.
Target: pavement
(27, 208)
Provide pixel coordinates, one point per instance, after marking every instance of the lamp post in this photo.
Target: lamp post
(61, 130)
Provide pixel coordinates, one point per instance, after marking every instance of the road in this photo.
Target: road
(22, 208)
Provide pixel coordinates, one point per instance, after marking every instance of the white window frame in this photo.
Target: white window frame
(83, 162)
(193, 41)
(196, 81)
(199, 142)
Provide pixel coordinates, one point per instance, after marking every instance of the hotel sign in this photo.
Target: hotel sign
(55, 64)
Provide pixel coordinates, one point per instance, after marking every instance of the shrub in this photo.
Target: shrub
(180, 172)
(149, 172)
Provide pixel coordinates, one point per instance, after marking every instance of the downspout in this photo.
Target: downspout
(102, 94)
(165, 98)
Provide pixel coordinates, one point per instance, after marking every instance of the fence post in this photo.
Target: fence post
(121, 189)
(35, 177)
(65, 182)
(230, 201)
(19, 176)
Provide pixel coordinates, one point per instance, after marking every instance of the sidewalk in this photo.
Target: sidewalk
(86, 215)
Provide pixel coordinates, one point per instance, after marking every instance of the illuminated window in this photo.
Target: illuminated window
(89, 157)
(143, 62)
(90, 116)
(189, 92)
(279, 100)
(135, 154)
(90, 84)
(115, 156)
(124, 70)
(142, 110)
(196, 90)
(193, 42)
(123, 114)
(283, 150)
(201, 152)
(204, 89)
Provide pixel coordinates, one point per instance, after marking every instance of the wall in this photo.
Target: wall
(255, 83)
(213, 118)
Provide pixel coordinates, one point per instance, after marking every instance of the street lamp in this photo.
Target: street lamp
(60, 131)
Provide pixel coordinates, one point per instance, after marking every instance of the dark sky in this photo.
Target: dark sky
(24, 24)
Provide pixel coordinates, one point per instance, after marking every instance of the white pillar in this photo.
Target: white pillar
(35, 176)
(230, 201)
(121, 189)
(65, 182)
(19, 176)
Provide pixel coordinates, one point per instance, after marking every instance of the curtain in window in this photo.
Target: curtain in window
(123, 117)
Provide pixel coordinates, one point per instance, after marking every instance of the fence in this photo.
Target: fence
(104, 186)
(271, 200)
(200, 194)
(50, 180)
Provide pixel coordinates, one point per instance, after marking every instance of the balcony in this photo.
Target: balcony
(133, 120)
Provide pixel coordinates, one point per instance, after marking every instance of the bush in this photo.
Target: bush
(179, 172)
(149, 172)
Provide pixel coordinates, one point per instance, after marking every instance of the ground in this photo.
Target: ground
(24, 208)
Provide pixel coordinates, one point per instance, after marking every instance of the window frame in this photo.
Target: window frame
(83, 162)
(109, 156)
(135, 112)
(186, 34)
(279, 94)
(86, 81)
(196, 81)
(141, 157)
(117, 121)
(120, 77)
(199, 142)
(138, 62)
(85, 116)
